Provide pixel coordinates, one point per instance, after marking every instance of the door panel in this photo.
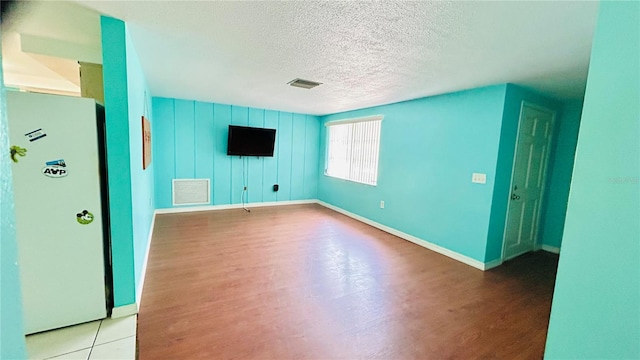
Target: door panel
(530, 165)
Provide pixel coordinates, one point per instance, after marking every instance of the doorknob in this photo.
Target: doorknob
(515, 197)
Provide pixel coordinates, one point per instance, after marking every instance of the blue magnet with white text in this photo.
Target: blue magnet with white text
(59, 162)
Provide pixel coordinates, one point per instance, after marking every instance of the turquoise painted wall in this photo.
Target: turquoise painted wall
(142, 203)
(429, 149)
(596, 304)
(515, 95)
(12, 344)
(118, 158)
(560, 170)
(131, 188)
(190, 141)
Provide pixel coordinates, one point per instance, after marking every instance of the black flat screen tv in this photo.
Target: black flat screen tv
(250, 141)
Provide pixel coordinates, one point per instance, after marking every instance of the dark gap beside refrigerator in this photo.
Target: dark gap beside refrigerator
(106, 224)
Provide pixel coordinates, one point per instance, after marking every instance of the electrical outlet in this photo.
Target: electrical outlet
(479, 178)
(381, 204)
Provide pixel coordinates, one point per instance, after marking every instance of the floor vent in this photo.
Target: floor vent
(191, 192)
(305, 84)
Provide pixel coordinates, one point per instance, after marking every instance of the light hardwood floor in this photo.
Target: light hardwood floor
(304, 282)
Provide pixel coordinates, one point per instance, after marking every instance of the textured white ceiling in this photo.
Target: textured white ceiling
(364, 53)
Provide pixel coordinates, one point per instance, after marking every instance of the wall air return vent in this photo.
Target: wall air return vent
(191, 192)
(305, 84)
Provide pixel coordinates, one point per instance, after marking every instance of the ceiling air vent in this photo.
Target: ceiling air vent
(305, 84)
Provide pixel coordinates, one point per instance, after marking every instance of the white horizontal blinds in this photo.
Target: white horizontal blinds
(353, 149)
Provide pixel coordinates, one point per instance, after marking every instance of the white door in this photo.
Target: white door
(527, 182)
(56, 178)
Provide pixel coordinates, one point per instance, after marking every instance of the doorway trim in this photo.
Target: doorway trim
(543, 190)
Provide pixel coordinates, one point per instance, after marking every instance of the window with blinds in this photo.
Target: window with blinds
(353, 147)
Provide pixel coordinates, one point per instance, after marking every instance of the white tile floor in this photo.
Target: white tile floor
(113, 339)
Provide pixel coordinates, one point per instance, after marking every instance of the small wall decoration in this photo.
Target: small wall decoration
(84, 217)
(35, 135)
(55, 169)
(146, 143)
(17, 151)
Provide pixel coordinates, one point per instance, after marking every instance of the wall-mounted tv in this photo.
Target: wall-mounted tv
(250, 141)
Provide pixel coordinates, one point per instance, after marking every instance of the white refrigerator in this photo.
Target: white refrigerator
(58, 206)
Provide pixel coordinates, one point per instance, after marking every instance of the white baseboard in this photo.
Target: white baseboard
(233, 206)
(431, 246)
(125, 310)
(551, 249)
(144, 263)
(492, 264)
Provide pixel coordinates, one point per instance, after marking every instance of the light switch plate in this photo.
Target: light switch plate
(479, 178)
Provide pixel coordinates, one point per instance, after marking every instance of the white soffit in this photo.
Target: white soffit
(364, 53)
(42, 42)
